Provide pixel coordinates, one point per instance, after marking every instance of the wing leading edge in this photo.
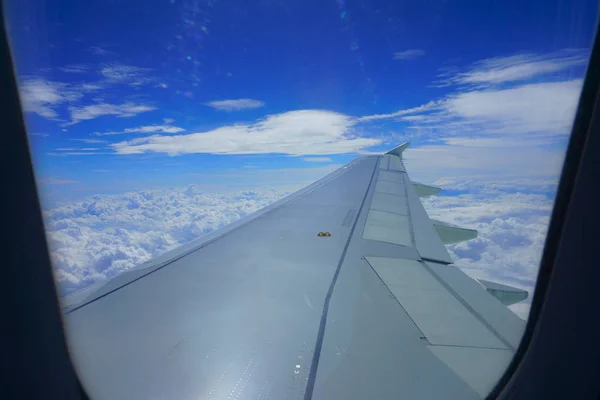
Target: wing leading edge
(268, 308)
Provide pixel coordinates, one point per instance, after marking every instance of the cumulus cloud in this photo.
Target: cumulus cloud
(295, 132)
(97, 238)
(409, 54)
(235, 105)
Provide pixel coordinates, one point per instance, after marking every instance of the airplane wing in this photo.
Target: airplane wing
(341, 290)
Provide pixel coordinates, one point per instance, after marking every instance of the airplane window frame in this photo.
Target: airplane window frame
(36, 362)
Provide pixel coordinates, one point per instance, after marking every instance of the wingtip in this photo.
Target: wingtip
(398, 150)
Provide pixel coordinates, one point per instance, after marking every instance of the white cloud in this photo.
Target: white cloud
(544, 107)
(126, 74)
(146, 129)
(409, 54)
(317, 159)
(235, 105)
(97, 110)
(515, 68)
(432, 105)
(155, 128)
(41, 96)
(89, 140)
(302, 132)
(76, 68)
(169, 120)
(104, 235)
(77, 149)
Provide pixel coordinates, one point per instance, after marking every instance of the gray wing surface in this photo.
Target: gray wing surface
(268, 309)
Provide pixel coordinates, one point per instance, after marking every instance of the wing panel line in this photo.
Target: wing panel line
(310, 384)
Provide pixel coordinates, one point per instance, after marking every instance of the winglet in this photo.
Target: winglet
(398, 150)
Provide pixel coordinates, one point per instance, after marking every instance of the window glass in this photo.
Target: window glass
(153, 125)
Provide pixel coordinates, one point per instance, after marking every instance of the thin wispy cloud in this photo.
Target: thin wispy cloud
(77, 149)
(92, 111)
(76, 68)
(235, 105)
(411, 54)
(52, 181)
(41, 97)
(145, 129)
(79, 153)
(89, 140)
(519, 67)
(45, 97)
(396, 114)
(514, 108)
(126, 74)
(99, 51)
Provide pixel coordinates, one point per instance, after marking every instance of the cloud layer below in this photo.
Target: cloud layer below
(96, 239)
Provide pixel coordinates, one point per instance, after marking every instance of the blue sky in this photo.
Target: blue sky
(88, 68)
